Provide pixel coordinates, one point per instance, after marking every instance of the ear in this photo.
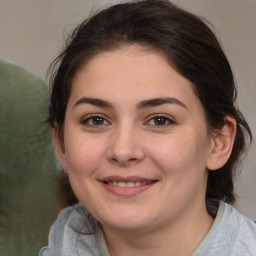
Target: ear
(222, 144)
(59, 147)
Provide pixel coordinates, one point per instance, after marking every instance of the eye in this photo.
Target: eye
(95, 120)
(160, 120)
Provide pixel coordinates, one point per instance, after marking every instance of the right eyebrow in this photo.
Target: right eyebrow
(160, 101)
(93, 101)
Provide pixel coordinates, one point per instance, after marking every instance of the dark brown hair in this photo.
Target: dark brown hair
(186, 42)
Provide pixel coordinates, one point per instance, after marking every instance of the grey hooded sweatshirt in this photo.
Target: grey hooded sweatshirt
(232, 234)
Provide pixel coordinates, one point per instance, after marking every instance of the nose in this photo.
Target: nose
(125, 147)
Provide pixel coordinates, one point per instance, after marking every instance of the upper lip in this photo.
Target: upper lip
(126, 179)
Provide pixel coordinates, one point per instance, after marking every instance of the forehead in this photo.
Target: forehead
(131, 72)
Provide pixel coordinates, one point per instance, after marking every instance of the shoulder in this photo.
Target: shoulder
(243, 231)
(235, 235)
(72, 234)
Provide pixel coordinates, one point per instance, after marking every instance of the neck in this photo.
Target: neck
(179, 237)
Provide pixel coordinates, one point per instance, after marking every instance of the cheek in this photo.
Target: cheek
(83, 159)
(183, 155)
(182, 161)
(83, 154)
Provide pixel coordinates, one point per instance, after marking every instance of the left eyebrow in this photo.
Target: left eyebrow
(93, 101)
(159, 101)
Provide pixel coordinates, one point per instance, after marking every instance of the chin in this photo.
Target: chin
(127, 222)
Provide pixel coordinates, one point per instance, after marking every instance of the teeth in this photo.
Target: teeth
(121, 184)
(129, 184)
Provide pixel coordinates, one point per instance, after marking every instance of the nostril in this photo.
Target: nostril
(113, 159)
(132, 160)
(124, 161)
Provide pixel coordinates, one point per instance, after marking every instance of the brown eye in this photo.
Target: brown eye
(98, 121)
(95, 121)
(160, 121)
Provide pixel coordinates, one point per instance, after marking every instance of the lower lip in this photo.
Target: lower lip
(127, 191)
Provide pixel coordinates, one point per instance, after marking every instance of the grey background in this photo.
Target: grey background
(32, 33)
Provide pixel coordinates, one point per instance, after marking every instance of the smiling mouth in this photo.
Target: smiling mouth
(129, 184)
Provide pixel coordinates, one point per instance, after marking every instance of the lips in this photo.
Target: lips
(127, 186)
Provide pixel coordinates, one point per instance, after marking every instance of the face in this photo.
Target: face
(136, 142)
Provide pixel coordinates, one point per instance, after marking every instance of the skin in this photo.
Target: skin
(125, 136)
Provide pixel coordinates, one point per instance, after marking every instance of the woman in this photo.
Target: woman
(146, 128)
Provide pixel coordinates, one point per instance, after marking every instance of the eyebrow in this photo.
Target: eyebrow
(93, 101)
(160, 101)
(143, 104)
